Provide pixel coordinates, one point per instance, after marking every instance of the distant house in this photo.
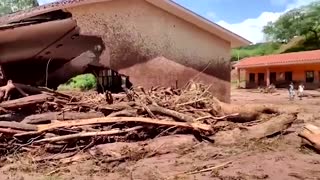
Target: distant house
(154, 42)
(281, 69)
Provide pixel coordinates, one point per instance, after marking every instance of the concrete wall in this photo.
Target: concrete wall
(154, 47)
(298, 74)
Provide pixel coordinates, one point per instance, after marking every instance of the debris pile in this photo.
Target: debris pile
(268, 90)
(58, 122)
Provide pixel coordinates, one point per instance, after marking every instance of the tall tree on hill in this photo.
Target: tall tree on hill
(10, 6)
(302, 21)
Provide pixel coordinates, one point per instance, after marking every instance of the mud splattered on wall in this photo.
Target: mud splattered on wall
(136, 32)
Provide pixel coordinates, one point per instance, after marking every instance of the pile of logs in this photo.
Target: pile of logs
(71, 121)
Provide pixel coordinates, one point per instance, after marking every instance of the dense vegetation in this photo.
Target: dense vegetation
(10, 6)
(296, 30)
(259, 49)
(81, 82)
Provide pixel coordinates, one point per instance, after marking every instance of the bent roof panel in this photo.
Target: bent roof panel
(167, 5)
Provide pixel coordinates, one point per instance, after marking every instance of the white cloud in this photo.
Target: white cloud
(41, 2)
(251, 29)
(211, 15)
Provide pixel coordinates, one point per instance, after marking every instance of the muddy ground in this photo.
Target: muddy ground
(172, 157)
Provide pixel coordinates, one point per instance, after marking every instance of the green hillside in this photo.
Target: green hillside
(296, 30)
(255, 50)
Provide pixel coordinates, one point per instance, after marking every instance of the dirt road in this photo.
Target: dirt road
(181, 156)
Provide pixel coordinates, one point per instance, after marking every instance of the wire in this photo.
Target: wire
(47, 69)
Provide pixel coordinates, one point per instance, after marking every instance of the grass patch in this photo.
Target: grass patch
(81, 82)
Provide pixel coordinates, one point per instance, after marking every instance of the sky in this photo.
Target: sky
(243, 17)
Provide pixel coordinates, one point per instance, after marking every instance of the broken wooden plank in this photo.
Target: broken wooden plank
(48, 117)
(87, 134)
(106, 120)
(25, 101)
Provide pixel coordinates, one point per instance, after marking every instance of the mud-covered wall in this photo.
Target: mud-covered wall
(136, 33)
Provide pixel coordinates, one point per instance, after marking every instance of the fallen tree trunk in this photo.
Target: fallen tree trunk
(106, 120)
(25, 101)
(271, 127)
(248, 112)
(87, 134)
(48, 117)
(274, 125)
(311, 134)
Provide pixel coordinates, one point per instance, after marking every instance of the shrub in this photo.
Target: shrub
(81, 82)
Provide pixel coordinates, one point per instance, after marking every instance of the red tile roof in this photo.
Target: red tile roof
(305, 57)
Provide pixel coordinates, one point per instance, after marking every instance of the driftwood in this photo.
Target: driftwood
(125, 113)
(48, 117)
(16, 125)
(246, 113)
(106, 120)
(26, 101)
(10, 131)
(8, 88)
(311, 134)
(11, 117)
(179, 116)
(273, 126)
(87, 134)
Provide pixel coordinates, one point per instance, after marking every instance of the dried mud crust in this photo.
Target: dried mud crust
(174, 157)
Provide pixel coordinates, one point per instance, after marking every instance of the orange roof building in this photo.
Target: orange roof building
(281, 69)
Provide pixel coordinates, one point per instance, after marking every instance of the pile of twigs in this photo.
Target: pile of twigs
(62, 122)
(67, 122)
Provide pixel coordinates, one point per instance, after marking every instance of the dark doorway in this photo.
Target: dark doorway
(288, 76)
(252, 78)
(309, 76)
(273, 77)
(260, 79)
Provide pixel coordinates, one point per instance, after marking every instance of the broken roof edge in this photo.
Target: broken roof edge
(167, 5)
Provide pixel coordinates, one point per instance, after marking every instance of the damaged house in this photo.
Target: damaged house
(153, 42)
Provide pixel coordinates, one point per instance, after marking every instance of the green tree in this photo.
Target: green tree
(285, 28)
(10, 6)
(309, 22)
(302, 21)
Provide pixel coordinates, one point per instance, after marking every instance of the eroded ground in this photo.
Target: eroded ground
(177, 157)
